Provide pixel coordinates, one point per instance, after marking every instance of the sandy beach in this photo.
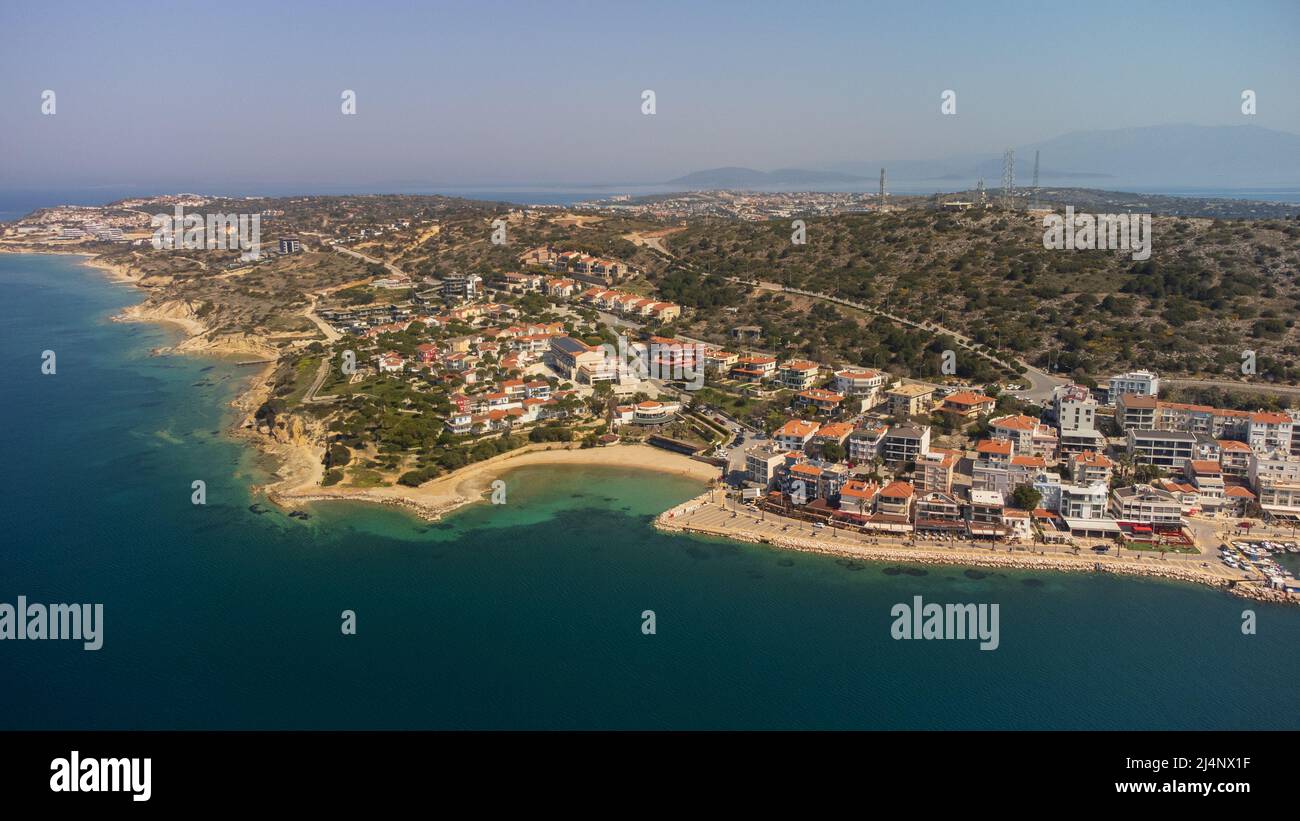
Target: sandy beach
(301, 473)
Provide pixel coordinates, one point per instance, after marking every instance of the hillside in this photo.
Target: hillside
(1210, 290)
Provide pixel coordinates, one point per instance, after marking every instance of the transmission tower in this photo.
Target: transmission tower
(882, 188)
(981, 195)
(1008, 176)
(1035, 179)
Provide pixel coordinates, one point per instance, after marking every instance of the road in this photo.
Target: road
(1250, 387)
(392, 269)
(1041, 383)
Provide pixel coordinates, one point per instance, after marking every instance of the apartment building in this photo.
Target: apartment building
(762, 464)
(1089, 467)
(934, 470)
(1075, 412)
(1144, 504)
(1275, 478)
(905, 443)
(1145, 383)
(1167, 449)
(984, 514)
(866, 444)
(937, 511)
(1235, 457)
(1029, 436)
(1207, 479)
(909, 400)
(1083, 501)
(1136, 411)
(1269, 431)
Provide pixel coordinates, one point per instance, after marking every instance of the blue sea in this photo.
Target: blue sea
(524, 615)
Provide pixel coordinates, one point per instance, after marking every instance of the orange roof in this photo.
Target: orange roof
(834, 430)
(1020, 422)
(898, 490)
(1232, 444)
(1029, 461)
(1205, 466)
(800, 365)
(969, 398)
(1237, 490)
(1092, 459)
(807, 470)
(859, 490)
(999, 446)
(798, 428)
(1270, 418)
(820, 395)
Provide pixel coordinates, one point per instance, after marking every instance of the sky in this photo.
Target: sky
(183, 94)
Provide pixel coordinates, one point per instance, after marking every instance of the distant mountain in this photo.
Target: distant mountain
(733, 177)
(1235, 156)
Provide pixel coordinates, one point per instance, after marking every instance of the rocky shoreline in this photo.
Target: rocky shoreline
(673, 521)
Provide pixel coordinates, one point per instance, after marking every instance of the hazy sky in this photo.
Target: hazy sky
(181, 94)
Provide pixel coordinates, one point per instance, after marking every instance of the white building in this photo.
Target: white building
(1145, 383)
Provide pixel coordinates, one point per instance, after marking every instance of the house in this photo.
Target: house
(859, 384)
(992, 467)
(651, 412)
(858, 497)
(1018, 524)
(798, 374)
(909, 400)
(1237, 500)
(895, 499)
(391, 362)
(795, 434)
(719, 360)
(754, 368)
(967, 404)
(832, 433)
(822, 401)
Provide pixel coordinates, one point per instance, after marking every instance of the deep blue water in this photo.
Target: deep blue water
(523, 615)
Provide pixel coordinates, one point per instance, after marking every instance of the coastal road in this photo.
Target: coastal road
(726, 517)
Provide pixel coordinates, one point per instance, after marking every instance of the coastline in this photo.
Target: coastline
(883, 550)
(301, 471)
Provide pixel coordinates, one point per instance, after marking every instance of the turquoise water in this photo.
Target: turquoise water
(524, 615)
